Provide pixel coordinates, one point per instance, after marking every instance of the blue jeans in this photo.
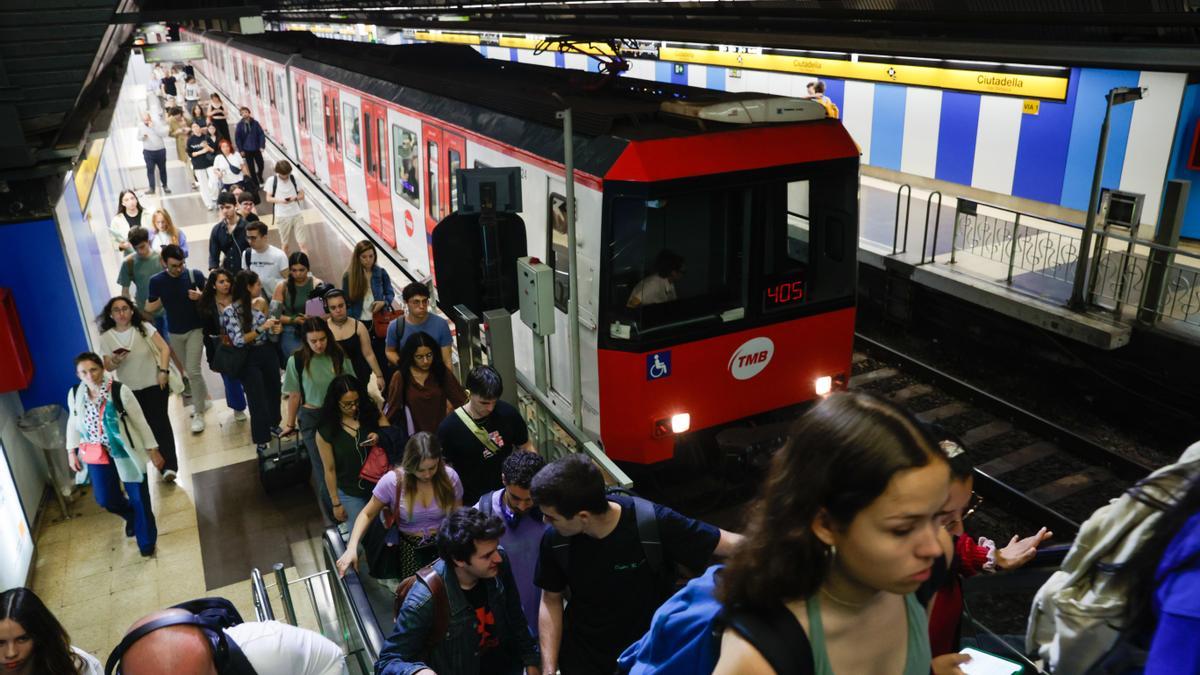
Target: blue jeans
(133, 505)
(353, 506)
(235, 396)
(289, 342)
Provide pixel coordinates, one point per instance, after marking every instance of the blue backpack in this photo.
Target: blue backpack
(685, 635)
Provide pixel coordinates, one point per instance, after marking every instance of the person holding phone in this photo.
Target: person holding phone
(289, 300)
(247, 326)
(135, 350)
(348, 428)
(177, 290)
(108, 433)
(287, 197)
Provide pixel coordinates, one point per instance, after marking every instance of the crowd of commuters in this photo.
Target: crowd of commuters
(853, 558)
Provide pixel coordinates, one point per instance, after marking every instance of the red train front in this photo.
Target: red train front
(753, 234)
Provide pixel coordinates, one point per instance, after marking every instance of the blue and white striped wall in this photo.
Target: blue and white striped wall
(983, 141)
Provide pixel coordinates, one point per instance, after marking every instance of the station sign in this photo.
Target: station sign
(173, 51)
(1002, 80)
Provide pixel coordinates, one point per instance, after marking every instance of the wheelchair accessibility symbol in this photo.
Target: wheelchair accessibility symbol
(658, 365)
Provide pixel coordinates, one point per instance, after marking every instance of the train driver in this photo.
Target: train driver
(659, 287)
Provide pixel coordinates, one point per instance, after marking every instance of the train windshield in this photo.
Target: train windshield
(696, 261)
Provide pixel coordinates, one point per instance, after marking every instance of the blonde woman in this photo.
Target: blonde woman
(419, 494)
(163, 232)
(368, 289)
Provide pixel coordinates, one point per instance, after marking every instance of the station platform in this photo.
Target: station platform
(1029, 280)
(215, 523)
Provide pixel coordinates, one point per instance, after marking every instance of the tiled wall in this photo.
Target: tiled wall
(983, 141)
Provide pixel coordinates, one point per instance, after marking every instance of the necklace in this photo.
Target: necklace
(841, 602)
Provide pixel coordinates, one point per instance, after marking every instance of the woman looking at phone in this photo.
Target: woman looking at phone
(347, 431)
(246, 326)
(141, 359)
(290, 297)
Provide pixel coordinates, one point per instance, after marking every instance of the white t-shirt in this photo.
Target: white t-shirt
(223, 164)
(139, 369)
(285, 188)
(91, 665)
(274, 648)
(653, 290)
(271, 266)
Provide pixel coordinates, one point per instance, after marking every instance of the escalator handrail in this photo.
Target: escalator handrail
(351, 584)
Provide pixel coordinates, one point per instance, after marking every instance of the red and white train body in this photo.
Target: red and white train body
(764, 215)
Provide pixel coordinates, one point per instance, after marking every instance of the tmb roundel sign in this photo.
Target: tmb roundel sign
(408, 223)
(751, 358)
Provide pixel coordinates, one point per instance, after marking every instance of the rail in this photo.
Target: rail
(338, 607)
(1161, 283)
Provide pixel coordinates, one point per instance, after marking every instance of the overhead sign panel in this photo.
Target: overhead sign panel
(173, 51)
(1002, 80)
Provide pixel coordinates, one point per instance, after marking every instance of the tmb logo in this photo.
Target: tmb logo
(751, 358)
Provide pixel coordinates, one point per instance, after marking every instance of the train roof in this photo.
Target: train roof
(458, 85)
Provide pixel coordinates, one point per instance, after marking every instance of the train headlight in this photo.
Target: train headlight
(823, 385)
(681, 422)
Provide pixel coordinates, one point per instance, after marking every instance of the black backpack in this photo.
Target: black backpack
(211, 615)
(647, 525)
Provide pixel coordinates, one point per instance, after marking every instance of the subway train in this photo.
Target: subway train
(716, 247)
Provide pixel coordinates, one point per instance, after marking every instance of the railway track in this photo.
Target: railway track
(1028, 465)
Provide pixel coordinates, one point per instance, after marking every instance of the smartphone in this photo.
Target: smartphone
(366, 444)
(120, 351)
(983, 663)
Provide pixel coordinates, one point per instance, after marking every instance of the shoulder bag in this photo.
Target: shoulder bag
(382, 318)
(480, 434)
(174, 377)
(228, 359)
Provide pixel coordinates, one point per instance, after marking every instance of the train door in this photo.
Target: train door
(273, 96)
(303, 133)
(333, 141)
(371, 165)
(387, 223)
(283, 105)
(353, 160)
(444, 153)
(556, 256)
(409, 191)
(319, 136)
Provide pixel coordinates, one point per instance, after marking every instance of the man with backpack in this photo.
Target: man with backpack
(460, 615)
(616, 555)
(227, 241)
(285, 196)
(209, 636)
(176, 290)
(523, 526)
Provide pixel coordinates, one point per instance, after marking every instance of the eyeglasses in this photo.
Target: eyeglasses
(123, 309)
(348, 405)
(249, 238)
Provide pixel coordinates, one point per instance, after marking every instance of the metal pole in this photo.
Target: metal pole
(542, 382)
(1012, 250)
(285, 593)
(572, 268)
(1089, 226)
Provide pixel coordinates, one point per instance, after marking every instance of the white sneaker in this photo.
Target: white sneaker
(197, 423)
(169, 476)
(239, 415)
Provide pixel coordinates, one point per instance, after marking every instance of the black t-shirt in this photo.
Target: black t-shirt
(194, 145)
(134, 221)
(168, 83)
(478, 466)
(492, 659)
(613, 591)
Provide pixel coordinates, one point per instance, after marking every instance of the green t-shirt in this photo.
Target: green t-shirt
(137, 274)
(348, 458)
(318, 373)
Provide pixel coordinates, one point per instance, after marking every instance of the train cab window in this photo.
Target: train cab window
(431, 150)
(678, 260)
(407, 183)
(556, 224)
(787, 252)
(381, 150)
(353, 133)
(455, 163)
(368, 127)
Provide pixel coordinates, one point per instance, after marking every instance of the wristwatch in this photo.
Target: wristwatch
(165, 370)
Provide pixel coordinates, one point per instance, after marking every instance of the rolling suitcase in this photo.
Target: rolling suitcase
(288, 464)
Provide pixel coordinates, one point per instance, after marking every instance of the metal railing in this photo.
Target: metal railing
(1019, 246)
(338, 607)
(1153, 287)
